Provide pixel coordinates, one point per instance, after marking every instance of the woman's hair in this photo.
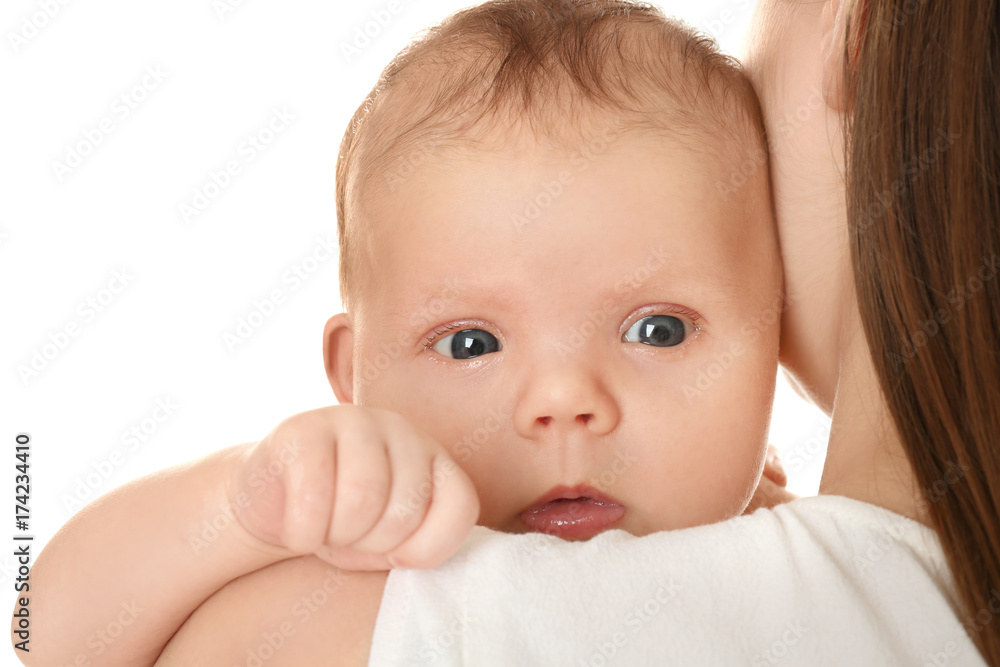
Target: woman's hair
(922, 85)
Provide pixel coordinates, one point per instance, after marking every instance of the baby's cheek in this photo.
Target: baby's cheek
(726, 485)
(733, 420)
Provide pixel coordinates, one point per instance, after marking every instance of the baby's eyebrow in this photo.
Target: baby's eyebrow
(649, 281)
(441, 296)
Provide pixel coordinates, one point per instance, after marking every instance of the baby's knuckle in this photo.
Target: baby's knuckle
(422, 554)
(289, 438)
(360, 497)
(392, 420)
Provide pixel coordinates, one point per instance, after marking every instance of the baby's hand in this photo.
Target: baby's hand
(360, 488)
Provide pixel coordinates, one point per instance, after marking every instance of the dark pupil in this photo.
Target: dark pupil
(661, 331)
(473, 343)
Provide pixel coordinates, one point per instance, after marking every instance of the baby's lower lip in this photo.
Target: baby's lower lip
(576, 519)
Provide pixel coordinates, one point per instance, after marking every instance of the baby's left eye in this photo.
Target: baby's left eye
(657, 330)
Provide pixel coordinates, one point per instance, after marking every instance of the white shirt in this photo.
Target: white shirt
(824, 580)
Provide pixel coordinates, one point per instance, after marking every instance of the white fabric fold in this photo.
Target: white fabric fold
(824, 580)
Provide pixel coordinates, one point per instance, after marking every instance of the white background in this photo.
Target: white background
(226, 67)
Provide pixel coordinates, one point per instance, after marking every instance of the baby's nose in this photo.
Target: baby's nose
(565, 399)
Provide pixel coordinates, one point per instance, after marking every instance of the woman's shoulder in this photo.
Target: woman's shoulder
(844, 528)
(297, 612)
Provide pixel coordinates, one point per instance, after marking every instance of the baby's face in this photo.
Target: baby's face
(597, 325)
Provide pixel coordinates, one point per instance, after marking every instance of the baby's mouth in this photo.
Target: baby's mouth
(576, 513)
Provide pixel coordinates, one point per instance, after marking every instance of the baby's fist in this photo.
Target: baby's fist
(360, 488)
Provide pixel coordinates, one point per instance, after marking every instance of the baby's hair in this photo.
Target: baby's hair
(548, 66)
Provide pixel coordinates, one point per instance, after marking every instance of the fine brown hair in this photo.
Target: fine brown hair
(923, 160)
(544, 65)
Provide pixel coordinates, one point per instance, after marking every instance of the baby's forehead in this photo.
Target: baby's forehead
(540, 210)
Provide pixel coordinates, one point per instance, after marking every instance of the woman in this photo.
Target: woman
(893, 329)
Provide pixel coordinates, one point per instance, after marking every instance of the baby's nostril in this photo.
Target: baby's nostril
(585, 418)
(545, 420)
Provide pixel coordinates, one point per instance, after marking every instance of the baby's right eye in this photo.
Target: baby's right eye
(467, 344)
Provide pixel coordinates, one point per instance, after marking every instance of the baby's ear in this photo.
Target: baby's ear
(338, 356)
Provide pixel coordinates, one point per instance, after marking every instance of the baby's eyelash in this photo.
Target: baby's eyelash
(688, 313)
(667, 309)
(439, 331)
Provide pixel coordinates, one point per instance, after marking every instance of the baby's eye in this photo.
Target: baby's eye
(467, 344)
(657, 330)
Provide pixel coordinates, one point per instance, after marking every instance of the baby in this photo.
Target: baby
(561, 286)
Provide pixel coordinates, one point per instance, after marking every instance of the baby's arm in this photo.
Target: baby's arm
(117, 581)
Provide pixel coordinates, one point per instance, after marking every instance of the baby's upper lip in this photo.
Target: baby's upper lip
(567, 492)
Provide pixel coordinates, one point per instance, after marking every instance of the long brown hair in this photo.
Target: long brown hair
(922, 84)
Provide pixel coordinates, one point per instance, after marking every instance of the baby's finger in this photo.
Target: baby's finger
(773, 468)
(411, 457)
(364, 481)
(767, 495)
(306, 478)
(453, 511)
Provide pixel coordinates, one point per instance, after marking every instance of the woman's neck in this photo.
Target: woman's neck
(865, 459)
